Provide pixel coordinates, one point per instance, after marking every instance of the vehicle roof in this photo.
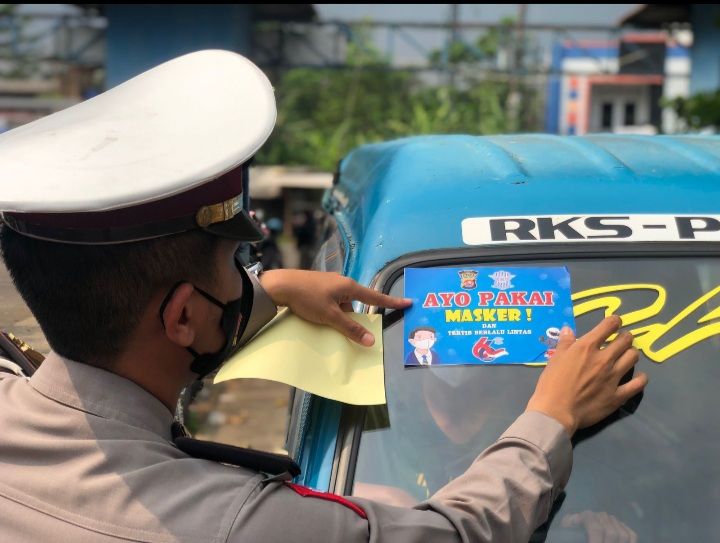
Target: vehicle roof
(411, 194)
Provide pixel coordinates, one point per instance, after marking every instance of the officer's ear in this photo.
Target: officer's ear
(179, 315)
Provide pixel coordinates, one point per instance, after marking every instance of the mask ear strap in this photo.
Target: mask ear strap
(166, 301)
(210, 297)
(202, 364)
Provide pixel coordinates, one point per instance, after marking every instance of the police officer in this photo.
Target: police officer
(122, 218)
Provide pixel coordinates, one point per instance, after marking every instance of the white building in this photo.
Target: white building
(619, 85)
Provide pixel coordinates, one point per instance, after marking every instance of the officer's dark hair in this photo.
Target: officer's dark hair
(411, 335)
(88, 299)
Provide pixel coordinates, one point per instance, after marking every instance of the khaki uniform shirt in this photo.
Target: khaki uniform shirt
(87, 456)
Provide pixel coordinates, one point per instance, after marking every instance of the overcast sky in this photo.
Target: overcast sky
(415, 48)
(597, 14)
(412, 46)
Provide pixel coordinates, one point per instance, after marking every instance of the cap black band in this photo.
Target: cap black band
(243, 228)
(215, 206)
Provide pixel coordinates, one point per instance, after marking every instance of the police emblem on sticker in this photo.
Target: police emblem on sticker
(503, 280)
(468, 279)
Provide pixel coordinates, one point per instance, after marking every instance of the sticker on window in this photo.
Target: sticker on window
(485, 315)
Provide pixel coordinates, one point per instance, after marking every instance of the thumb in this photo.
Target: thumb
(567, 338)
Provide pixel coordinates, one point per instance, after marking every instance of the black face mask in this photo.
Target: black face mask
(234, 320)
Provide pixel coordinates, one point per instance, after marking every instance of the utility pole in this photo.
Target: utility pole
(454, 37)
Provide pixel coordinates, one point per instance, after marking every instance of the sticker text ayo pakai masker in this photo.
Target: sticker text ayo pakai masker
(512, 306)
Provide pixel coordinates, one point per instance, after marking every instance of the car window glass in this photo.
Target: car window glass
(654, 472)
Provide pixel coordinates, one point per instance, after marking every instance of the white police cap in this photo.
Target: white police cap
(165, 152)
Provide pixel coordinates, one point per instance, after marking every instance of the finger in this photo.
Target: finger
(373, 297)
(631, 388)
(618, 346)
(609, 528)
(351, 329)
(613, 531)
(626, 361)
(595, 532)
(346, 307)
(573, 520)
(607, 327)
(626, 534)
(567, 338)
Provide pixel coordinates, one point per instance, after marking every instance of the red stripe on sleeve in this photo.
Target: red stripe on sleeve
(309, 492)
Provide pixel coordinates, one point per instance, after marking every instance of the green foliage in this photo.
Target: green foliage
(324, 113)
(486, 47)
(699, 111)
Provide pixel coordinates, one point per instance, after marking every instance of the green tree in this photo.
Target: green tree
(324, 113)
(699, 111)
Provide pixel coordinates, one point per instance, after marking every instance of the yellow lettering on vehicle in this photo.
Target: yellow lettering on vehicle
(649, 333)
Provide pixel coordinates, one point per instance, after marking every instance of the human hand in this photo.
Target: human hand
(324, 297)
(580, 385)
(600, 527)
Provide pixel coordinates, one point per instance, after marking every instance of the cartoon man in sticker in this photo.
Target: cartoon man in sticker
(422, 339)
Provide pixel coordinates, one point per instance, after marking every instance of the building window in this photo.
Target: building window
(629, 114)
(607, 115)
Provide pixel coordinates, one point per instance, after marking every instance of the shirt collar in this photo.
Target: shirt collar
(101, 393)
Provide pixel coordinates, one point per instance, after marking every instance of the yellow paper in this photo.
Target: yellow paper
(314, 358)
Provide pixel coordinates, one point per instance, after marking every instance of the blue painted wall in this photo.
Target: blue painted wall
(554, 86)
(144, 35)
(705, 19)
